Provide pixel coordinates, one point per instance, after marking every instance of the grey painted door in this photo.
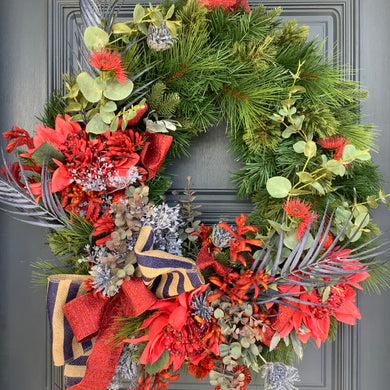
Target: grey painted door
(33, 53)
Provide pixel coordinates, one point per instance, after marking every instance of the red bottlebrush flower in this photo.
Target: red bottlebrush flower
(108, 60)
(336, 142)
(19, 137)
(227, 4)
(305, 224)
(239, 244)
(296, 208)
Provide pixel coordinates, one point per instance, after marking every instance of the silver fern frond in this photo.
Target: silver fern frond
(313, 266)
(22, 202)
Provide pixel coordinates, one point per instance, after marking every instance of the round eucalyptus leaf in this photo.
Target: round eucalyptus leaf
(310, 149)
(299, 146)
(278, 187)
(95, 38)
(349, 152)
(121, 28)
(109, 107)
(96, 125)
(118, 91)
(107, 117)
(363, 156)
(88, 87)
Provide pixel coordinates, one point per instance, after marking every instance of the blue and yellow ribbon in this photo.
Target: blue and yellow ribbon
(166, 275)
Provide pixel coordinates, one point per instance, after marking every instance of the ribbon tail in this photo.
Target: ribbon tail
(102, 362)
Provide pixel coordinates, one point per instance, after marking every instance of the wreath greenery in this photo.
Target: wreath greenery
(225, 299)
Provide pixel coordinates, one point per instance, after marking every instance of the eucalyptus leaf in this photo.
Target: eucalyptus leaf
(107, 117)
(89, 87)
(287, 133)
(336, 167)
(121, 28)
(96, 125)
(318, 187)
(95, 38)
(299, 147)
(73, 107)
(110, 106)
(170, 12)
(305, 177)
(363, 155)
(118, 91)
(297, 89)
(138, 13)
(362, 220)
(349, 152)
(114, 124)
(142, 27)
(310, 149)
(371, 201)
(278, 186)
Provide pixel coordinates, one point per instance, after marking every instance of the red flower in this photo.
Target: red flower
(239, 243)
(19, 137)
(173, 328)
(236, 286)
(308, 220)
(202, 369)
(104, 225)
(108, 60)
(334, 142)
(227, 4)
(316, 309)
(296, 208)
(159, 381)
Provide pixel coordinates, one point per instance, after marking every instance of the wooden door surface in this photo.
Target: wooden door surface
(34, 54)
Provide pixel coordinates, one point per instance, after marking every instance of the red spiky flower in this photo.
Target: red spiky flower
(296, 208)
(107, 60)
(336, 142)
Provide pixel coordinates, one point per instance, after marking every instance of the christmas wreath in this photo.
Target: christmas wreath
(142, 287)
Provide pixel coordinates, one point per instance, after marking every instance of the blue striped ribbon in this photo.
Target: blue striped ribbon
(165, 274)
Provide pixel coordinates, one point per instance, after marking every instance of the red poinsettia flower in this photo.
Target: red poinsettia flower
(57, 136)
(109, 60)
(239, 244)
(336, 142)
(315, 311)
(173, 328)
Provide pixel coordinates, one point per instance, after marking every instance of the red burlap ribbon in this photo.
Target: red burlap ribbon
(154, 152)
(205, 259)
(92, 314)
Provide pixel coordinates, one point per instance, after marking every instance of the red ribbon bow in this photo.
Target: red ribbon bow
(154, 152)
(91, 314)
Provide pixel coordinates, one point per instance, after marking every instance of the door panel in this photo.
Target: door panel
(35, 54)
